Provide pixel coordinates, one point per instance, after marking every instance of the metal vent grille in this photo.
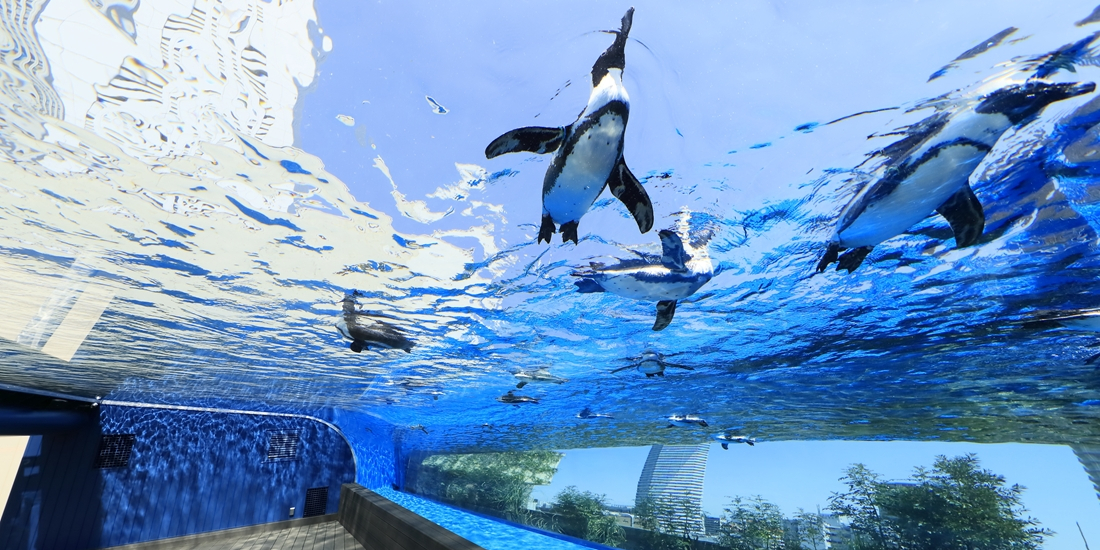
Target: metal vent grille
(282, 445)
(114, 451)
(316, 502)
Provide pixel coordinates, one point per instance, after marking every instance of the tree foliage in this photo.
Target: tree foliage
(751, 524)
(670, 523)
(498, 482)
(805, 531)
(954, 506)
(581, 514)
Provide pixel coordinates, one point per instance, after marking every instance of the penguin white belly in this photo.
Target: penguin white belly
(652, 283)
(585, 170)
(917, 196)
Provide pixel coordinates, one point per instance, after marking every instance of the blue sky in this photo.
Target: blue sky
(802, 474)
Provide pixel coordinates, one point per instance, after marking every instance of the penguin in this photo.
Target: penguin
(726, 439)
(651, 364)
(366, 330)
(538, 376)
(676, 277)
(686, 421)
(1087, 321)
(928, 171)
(514, 399)
(587, 414)
(588, 154)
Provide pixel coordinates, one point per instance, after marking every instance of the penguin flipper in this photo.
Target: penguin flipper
(630, 192)
(665, 310)
(521, 385)
(726, 446)
(533, 139)
(965, 214)
(672, 251)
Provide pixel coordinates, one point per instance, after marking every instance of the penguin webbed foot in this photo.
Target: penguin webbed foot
(853, 258)
(547, 229)
(568, 232)
(356, 346)
(830, 256)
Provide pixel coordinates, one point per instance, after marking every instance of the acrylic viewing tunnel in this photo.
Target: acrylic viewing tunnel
(263, 248)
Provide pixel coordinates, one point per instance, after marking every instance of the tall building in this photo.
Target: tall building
(1089, 455)
(673, 476)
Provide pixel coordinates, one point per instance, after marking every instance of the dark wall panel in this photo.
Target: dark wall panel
(189, 472)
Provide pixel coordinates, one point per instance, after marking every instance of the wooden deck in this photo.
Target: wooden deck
(292, 535)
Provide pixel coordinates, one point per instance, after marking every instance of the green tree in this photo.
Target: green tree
(959, 506)
(499, 483)
(805, 531)
(753, 524)
(581, 514)
(954, 506)
(869, 530)
(670, 524)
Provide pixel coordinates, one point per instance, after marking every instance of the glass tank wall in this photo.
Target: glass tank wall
(483, 240)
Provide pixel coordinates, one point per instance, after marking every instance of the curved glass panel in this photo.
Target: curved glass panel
(520, 228)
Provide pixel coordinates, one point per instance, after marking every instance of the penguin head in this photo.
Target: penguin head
(614, 57)
(1023, 101)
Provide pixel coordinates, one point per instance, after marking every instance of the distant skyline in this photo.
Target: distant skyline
(803, 474)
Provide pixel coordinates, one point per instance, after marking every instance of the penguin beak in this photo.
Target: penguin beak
(1073, 90)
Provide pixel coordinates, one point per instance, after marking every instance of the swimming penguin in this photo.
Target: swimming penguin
(927, 172)
(686, 421)
(726, 439)
(588, 154)
(418, 427)
(587, 414)
(1087, 321)
(514, 399)
(676, 277)
(651, 364)
(365, 330)
(537, 376)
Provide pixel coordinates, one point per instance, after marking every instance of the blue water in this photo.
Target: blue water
(227, 210)
(476, 529)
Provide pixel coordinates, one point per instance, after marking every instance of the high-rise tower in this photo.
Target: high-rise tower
(673, 477)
